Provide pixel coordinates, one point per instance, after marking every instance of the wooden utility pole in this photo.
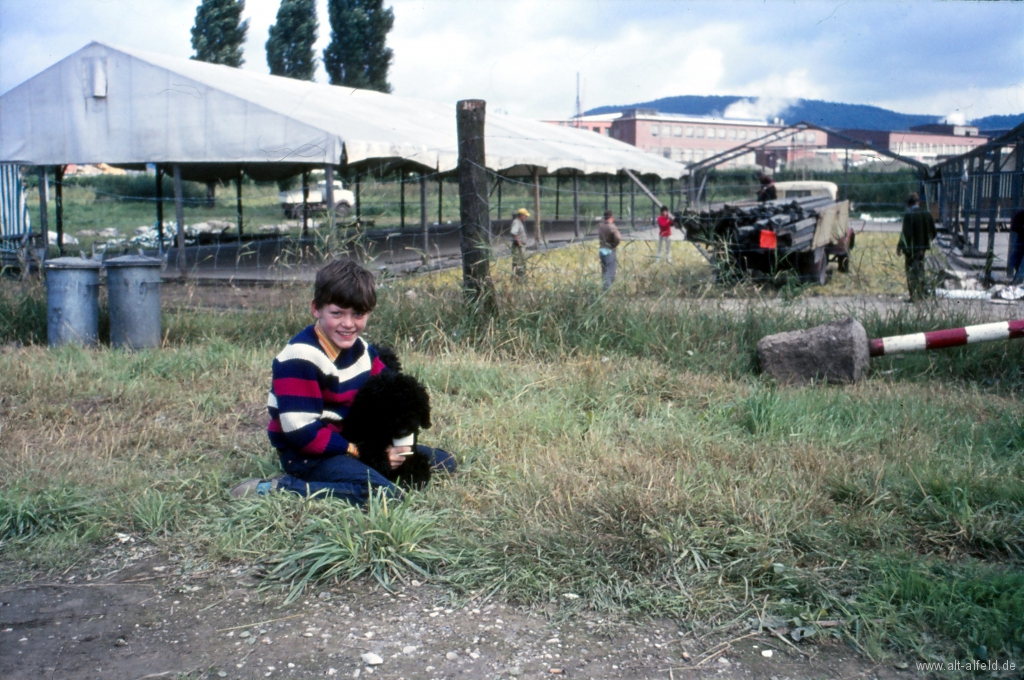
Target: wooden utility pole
(474, 210)
(179, 213)
(538, 234)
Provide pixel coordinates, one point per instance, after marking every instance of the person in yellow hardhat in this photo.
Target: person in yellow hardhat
(518, 234)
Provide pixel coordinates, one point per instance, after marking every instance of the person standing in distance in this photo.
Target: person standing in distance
(609, 239)
(664, 234)
(518, 234)
(916, 239)
(766, 190)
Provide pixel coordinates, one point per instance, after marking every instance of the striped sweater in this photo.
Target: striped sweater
(311, 395)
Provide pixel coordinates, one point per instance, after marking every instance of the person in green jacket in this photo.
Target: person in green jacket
(916, 239)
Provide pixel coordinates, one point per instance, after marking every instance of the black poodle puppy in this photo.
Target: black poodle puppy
(389, 406)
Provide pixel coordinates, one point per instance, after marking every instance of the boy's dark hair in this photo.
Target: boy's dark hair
(608, 214)
(664, 208)
(346, 284)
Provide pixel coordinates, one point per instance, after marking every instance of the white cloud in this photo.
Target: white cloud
(523, 55)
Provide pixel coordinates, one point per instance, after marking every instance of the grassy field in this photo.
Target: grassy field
(620, 448)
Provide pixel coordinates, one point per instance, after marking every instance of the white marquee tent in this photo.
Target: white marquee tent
(128, 107)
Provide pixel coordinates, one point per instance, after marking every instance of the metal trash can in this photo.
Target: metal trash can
(133, 291)
(72, 301)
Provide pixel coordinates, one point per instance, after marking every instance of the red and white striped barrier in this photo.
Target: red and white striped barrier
(952, 337)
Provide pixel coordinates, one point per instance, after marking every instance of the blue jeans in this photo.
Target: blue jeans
(609, 263)
(1015, 258)
(345, 477)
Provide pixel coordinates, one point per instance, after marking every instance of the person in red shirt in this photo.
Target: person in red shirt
(664, 234)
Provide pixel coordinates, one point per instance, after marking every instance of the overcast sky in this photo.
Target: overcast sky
(943, 58)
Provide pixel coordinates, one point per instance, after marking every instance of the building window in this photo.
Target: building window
(688, 155)
(700, 133)
(689, 131)
(811, 136)
(677, 131)
(732, 133)
(799, 136)
(666, 152)
(743, 134)
(606, 131)
(655, 129)
(721, 133)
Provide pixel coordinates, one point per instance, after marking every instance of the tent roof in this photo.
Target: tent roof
(128, 107)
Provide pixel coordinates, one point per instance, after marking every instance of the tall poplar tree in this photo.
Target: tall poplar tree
(219, 32)
(290, 46)
(358, 55)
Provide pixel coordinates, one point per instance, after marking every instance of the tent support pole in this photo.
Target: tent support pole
(558, 195)
(607, 181)
(993, 214)
(423, 220)
(179, 213)
(329, 177)
(44, 192)
(401, 199)
(632, 204)
(359, 199)
(499, 197)
(538, 234)
(621, 198)
(305, 202)
(575, 204)
(160, 209)
(238, 203)
(58, 180)
(440, 198)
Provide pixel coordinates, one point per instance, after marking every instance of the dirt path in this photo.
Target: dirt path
(135, 614)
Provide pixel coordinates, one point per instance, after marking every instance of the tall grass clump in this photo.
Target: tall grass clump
(22, 312)
(386, 542)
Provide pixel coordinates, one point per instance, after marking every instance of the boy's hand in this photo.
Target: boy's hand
(397, 454)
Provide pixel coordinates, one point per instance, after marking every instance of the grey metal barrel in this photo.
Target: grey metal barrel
(72, 301)
(133, 290)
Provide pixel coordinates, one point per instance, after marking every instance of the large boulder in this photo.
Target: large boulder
(836, 352)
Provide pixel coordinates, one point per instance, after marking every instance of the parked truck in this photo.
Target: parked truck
(803, 229)
(291, 201)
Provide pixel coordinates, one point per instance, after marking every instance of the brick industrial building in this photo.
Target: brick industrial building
(691, 139)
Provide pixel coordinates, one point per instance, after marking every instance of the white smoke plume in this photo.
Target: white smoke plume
(762, 108)
(956, 118)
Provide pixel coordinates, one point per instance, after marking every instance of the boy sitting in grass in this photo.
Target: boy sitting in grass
(315, 379)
